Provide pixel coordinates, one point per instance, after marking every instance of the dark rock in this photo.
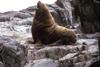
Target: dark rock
(95, 64)
(4, 18)
(89, 16)
(12, 54)
(59, 3)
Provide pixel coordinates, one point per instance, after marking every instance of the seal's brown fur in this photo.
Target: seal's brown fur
(45, 29)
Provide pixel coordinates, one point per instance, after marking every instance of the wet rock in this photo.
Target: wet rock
(12, 53)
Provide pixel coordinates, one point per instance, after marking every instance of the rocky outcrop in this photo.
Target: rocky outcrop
(12, 54)
(82, 55)
(89, 15)
(8, 16)
(67, 6)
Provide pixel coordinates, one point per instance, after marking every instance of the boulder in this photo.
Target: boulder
(56, 52)
(12, 53)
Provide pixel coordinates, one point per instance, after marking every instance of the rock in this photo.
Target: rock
(22, 15)
(12, 54)
(4, 18)
(70, 55)
(56, 52)
(11, 14)
(77, 60)
(89, 17)
(1, 64)
(99, 43)
(29, 9)
(45, 63)
(95, 64)
(51, 52)
(59, 3)
(27, 21)
(66, 5)
(58, 14)
(87, 41)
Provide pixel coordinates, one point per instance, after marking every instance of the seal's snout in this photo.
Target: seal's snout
(39, 4)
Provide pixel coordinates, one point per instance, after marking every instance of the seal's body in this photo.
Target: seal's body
(46, 31)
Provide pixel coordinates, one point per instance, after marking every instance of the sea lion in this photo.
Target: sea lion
(46, 31)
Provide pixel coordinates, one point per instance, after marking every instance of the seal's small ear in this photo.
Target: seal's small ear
(38, 4)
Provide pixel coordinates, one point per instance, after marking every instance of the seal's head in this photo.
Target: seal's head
(42, 7)
(43, 16)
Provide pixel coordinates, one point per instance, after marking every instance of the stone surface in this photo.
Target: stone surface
(1, 64)
(12, 54)
(45, 63)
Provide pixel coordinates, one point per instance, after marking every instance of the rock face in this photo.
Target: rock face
(12, 54)
(88, 13)
(67, 6)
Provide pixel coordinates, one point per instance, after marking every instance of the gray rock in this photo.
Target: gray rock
(56, 52)
(67, 6)
(87, 41)
(4, 18)
(51, 52)
(11, 14)
(12, 53)
(22, 15)
(1, 64)
(45, 63)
